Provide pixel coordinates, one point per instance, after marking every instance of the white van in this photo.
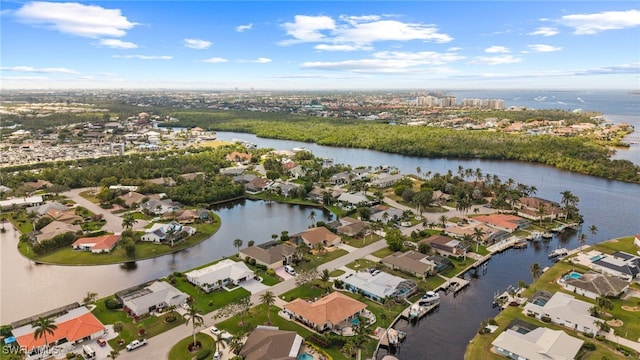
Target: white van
(88, 352)
(290, 270)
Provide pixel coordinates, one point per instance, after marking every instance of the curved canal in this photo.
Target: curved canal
(610, 205)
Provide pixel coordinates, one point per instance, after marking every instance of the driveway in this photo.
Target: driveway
(253, 286)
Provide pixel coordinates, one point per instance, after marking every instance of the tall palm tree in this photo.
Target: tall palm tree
(593, 230)
(218, 340)
(312, 217)
(113, 354)
(541, 211)
(44, 326)
(443, 221)
(478, 235)
(236, 344)
(237, 243)
(535, 270)
(128, 222)
(193, 315)
(268, 299)
(583, 239)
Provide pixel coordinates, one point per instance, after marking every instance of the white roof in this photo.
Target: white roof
(157, 293)
(381, 284)
(353, 198)
(566, 308)
(539, 344)
(225, 269)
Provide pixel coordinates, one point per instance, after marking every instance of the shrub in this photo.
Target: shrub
(71, 355)
(589, 346)
(545, 319)
(492, 321)
(261, 267)
(203, 354)
(113, 304)
(252, 261)
(271, 272)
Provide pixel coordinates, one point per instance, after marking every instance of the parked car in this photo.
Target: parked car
(215, 331)
(136, 344)
(101, 342)
(217, 355)
(185, 306)
(290, 270)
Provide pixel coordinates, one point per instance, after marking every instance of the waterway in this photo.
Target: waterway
(610, 205)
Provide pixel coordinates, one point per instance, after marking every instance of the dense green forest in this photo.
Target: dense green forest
(573, 153)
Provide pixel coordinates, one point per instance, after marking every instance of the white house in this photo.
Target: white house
(353, 199)
(156, 296)
(538, 344)
(565, 310)
(620, 264)
(220, 274)
(161, 232)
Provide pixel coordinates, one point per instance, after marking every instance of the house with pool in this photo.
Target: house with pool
(335, 311)
(562, 309)
(378, 285)
(593, 285)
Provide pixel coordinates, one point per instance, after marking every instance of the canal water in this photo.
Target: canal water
(612, 206)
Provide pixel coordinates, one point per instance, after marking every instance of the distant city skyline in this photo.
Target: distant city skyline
(331, 45)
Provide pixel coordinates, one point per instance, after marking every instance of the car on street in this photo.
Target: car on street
(215, 331)
(136, 344)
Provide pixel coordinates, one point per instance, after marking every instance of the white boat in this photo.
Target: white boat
(299, 148)
(392, 335)
(560, 252)
(536, 236)
(540, 98)
(547, 235)
(416, 311)
(430, 298)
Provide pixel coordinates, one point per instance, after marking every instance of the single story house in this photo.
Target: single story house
(44, 208)
(257, 185)
(445, 245)
(56, 228)
(413, 262)
(529, 207)
(22, 202)
(269, 343)
(131, 198)
(382, 213)
(159, 207)
(270, 254)
(75, 326)
(351, 227)
(67, 215)
(155, 296)
(232, 171)
(244, 178)
(332, 312)
(380, 286)
(620, 264)
(238, 157)
(158, 232)
(563, 309)
(341, 178)
(593, 285)
(508, 223)
(354, 199)
(96, 245)
(386, 180)
(538, 344)
(219, 274)
(318, 236)
(491, 235)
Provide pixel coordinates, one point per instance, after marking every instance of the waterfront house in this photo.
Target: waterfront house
(219, 274)
(56, 228)
(153, 297)
(21, 202)
(238, 157)
(351, 227)
(318, 236)
(256, 185)
(593, 285)
(491, 235)
(445, 245)
(269, 343)
(412, 262)
(353, 199)
(158, 233)
(380, 286)
(284, 188)
(505, 222)
(562, 309)
(340, 178)
(74, 326)
(97, 245)
(538, 344)
(270, 254)
(159, 207)
(385, 180)
(383, 213)
(528, 207)
(332, 312)
(620, 264)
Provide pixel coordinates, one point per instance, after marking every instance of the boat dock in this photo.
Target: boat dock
(417, 311)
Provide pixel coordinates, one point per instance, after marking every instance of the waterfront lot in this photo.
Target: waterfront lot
(211, 301)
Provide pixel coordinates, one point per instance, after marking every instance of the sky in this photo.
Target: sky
(325, 45)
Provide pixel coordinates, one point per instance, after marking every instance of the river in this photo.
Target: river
(610, 205)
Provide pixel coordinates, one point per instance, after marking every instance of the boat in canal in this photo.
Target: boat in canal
(430, 298)
(558, 253)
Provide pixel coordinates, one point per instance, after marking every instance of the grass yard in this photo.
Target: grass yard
(180, 350)
(382, 253)
(211, 301)
(359, 242)
(458, 266)
(336, 273)
(312, 261)
(306, 291)
(361, 264)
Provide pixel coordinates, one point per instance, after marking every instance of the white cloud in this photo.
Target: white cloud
(543, 48)
(496, 49)
(197, 44)
(357, 32)
(30, 69)
(262, 60)
(342, 47)
(587, 24)
(307, 29)
(117, 44)
(545, 31)
(215, 60)
(496, 60)
(387, 62)
(144, 57)
(24, 78)
(607, 70)
(75, 18)
(243, 28)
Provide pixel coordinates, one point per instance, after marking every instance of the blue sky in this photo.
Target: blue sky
(293, 45)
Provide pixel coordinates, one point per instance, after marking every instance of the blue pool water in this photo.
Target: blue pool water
(596, 258)
(539, 302)
(305, 356)
(573, 275)
(355, 321)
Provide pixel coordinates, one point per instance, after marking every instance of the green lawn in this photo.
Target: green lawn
(361, 264)
(336, 273)
(211, 301)
(306, 291)
(359, 242)
(152, 325)
(623, 244)
(458, 266)
(382, 253)
(313, 261)
(180, 350)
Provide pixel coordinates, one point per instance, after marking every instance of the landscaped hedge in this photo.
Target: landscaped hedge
(203, 354)
(54, 243)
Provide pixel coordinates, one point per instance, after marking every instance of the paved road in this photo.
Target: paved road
(159, 346)
(114, 222)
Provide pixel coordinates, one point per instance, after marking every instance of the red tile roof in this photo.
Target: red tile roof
(105, 242)
(332, 308)
(73, 330)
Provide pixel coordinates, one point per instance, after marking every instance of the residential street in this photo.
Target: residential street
(159, 346)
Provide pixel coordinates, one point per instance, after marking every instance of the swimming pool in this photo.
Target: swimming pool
(596, 258)
(355, 321)
(572, 275)
(539, 302)
(305, 356)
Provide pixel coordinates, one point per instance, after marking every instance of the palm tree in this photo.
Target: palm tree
(236, 344)
(113, 354)
(583, 239)
(478, 235)
(268, 299)
(443, 220)
(312, 217)
(251, 243)
(541, 211)
(193, 316)
(593, 230)
(218, 340)
(44, 326)
(128, 222)
(535, 270)
(237, 243)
